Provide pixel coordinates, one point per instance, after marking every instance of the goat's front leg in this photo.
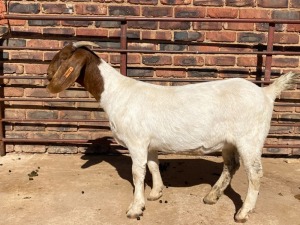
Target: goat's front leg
(139, 161)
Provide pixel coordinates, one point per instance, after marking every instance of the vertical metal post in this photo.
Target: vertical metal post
(271, 32)
(2, 145)
(123, 59)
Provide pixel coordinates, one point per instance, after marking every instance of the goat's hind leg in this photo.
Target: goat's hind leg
(157, 187)
(253, 167)
(231, 165)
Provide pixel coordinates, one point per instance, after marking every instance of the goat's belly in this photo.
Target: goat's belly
(187, 149)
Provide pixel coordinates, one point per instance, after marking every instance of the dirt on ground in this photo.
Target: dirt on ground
(89, 190)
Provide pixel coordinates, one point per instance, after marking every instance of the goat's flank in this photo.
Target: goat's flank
(230, 115)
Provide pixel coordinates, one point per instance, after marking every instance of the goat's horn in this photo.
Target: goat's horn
(84, 43)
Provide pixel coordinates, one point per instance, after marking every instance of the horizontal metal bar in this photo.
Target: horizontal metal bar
(43, 141)
(23, 77)
(138, 18)
(48, 100)
(280, 146)
(146, 51)
(53, 120)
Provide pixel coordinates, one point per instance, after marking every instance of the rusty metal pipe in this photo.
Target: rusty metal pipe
(268, 65)
(138, 18)
(145, 51)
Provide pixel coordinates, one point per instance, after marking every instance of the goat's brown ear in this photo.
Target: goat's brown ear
(68, 72)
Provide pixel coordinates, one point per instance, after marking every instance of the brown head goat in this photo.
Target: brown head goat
(232, 116)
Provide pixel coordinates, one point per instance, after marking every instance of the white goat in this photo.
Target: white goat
(230, 115)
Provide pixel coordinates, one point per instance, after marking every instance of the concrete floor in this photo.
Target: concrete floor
(88, 190)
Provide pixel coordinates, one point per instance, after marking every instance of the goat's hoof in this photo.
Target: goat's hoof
(135, 211)
(240, 219)
(154, 196)
(210, 200)
(134, 214)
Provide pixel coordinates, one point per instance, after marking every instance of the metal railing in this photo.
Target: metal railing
(123, 68)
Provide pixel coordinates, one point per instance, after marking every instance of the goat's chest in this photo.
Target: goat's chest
(117, 135)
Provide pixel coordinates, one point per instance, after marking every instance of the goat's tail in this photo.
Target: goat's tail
(282, 83)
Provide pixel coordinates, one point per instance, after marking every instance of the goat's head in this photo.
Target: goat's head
(75, 63)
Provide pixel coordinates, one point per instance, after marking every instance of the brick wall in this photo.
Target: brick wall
(143, 35)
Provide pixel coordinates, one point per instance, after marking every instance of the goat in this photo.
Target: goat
(231, 115)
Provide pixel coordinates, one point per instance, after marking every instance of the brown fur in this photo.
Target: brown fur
(79, 65)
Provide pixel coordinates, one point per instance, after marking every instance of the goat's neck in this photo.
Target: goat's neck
(116, 86)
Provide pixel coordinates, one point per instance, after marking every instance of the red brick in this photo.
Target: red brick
(286, 14)
(32, 8)
(295, 3)
(49, 55)
(26, 31)
(208, 2)
(239, 26)
(37, 92)
(157, 35)
(203, 48)
(240, 3)
(36, 68)
(254, 13)
(290, 94)
(188, 36)
(170, 73)
(283, 109)
(68, 114)
(147, 25)
(91, 32)
(17, 22)
(15, 114)
(293, 27)
(284, 38)
(157, 60)
(220, 60)
(272, 3)
(26, 55)
(157, 11)
(143, 2)
(42, 43)
(143, 46)
(188, 61)
(175, 25)
(74, 94)
(251, 37)
(30, 148)
(131, 59)
(190, 12)
(221, 36)
(13, 92)
(176, 2)
(91, 9)
(60, 31)
(12, 68)
(222, 12)
(56, 8)
(207, 26)
(285, 62)
(247, 61)
(116, 10)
